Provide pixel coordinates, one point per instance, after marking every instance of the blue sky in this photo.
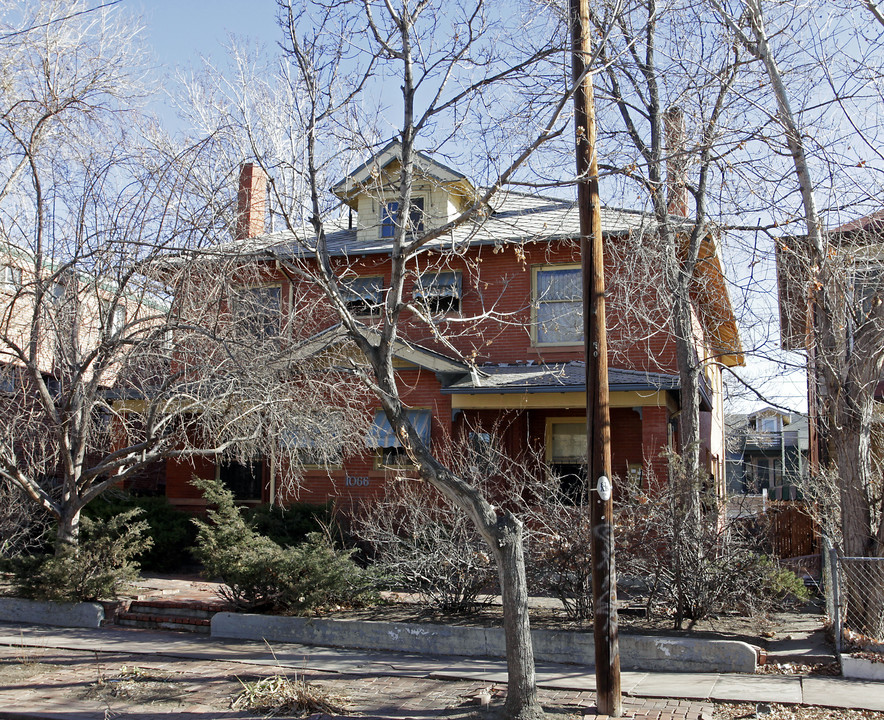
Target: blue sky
(180, 31)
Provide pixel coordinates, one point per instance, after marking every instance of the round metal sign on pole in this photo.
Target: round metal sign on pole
(604, 488)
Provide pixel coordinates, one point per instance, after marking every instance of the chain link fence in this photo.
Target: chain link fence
(854, 592)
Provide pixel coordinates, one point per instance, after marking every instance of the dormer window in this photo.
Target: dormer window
(390, 210)
(768, 424)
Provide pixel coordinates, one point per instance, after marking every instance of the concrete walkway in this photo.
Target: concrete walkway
(701, 687)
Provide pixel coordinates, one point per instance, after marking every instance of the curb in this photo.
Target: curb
(637, 652)
(43, 612)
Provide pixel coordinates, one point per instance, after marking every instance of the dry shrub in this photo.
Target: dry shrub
(280, 695)
(420, 542)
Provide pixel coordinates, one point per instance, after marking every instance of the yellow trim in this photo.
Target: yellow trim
(554, 400)
(534, 300)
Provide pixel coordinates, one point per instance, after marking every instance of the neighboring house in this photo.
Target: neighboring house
(514, 373)
(766, 451)
(50, 330)
(857, 249)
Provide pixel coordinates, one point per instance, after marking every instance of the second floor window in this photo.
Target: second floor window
(257, 311)
(364, 295)
(440, 292)
(390, 211)
(558, 305)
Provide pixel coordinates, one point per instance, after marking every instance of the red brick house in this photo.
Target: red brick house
(504, 348)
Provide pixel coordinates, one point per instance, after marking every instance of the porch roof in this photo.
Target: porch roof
(555, 377)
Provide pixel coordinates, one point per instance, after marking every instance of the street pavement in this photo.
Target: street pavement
(665, 696)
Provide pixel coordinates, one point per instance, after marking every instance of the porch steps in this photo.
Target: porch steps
(178, 614)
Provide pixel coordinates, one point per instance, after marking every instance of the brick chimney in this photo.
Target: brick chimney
(676, 162)
(251, 202)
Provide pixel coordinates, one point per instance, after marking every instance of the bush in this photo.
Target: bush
(697, 567)
(290, 525)
(559, 557)
(259, 574)
(98, 569)
(420, 542)
(171, 530)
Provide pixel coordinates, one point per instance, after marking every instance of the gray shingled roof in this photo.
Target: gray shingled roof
(516, 217)
(555, 377)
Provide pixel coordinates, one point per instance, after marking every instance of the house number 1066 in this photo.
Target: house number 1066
(356, 481)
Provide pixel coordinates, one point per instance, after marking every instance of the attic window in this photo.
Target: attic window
(441, 293)
(390, 210)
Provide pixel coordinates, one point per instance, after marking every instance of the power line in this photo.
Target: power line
(8, 36)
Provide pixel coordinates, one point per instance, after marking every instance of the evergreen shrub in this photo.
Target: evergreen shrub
(99, 568)
(259, 574)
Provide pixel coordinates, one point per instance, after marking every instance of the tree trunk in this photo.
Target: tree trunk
(521, 696)
(68, 530)
(852, 443)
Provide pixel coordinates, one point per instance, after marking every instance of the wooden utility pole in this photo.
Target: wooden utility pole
(598, 424)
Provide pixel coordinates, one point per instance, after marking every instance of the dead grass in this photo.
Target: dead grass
(765, 711)
(280, 695)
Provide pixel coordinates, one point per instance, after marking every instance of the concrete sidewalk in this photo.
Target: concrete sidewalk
(698, 687)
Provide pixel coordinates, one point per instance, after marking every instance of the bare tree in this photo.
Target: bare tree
(830, 290)
(831, 276)
(667, 106)
(117, 351)
(469, 77)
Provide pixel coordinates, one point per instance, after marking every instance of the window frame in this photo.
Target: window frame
(389, 212)
(420, 294)
(551, 422)
(536, 302)
(262, 467)
(358, 301)
(10, 277)
(567, 493)
(404, 461)
(236, 313)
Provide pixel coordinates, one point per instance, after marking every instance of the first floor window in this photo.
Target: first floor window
(244, 480)
(566, 454)
(382, 437)
(558, 305)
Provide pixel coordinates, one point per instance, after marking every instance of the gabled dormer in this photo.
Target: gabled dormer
(439, 194)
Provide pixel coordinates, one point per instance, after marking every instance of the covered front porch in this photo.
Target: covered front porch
(543, 407)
